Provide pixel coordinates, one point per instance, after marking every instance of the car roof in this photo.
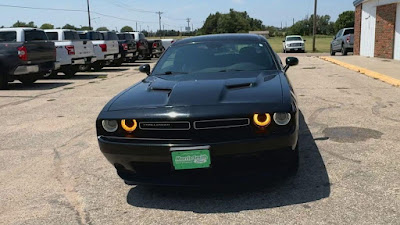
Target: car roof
(222, 37)
(293, 36)
(19, 29)
(56, 30)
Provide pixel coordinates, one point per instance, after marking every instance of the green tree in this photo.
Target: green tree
(102, 29)
(126, 29)
(86, 28)
(346, 19)
(70, 27)
(232, 22)
(47, 26)
(23, 24)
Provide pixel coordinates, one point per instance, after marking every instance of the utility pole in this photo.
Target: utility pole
(293, 21)
(136, 27)
(314, 25)
(159, 21)
(188, 21)
(88, 11)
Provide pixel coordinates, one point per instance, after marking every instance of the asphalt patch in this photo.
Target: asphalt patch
(351, 134)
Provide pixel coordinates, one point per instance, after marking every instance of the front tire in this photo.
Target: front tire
(332, 52)
(69, 71)
(3, 81)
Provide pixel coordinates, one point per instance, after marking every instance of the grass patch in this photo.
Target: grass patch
(322, 43)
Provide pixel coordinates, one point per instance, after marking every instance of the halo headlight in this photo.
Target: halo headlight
(110, 125)
(129, 125)
(262, 120)
(282, 119)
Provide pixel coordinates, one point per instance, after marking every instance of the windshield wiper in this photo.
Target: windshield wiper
(224, 71)
(171, 73)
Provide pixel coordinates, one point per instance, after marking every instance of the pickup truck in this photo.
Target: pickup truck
(127, 47)
(72, 52)
(26, 55)
(104, 51)
(112, 36)
(343, 41)
(156, 48)
(142, 45)
(167, 42)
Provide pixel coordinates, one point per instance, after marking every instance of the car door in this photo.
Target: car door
(336, 43)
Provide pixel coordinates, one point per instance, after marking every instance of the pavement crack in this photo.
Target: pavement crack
(75, 201)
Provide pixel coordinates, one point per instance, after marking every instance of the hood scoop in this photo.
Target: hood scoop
(161, 85)
(240, 83)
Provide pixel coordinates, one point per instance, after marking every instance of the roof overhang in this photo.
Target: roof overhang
(357, 2)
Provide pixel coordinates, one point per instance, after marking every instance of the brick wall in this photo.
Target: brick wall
(357, 29)
(385, 30)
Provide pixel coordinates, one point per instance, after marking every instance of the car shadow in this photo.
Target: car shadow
(78, 76)
(310, 184)
(113, 69)
(36, 86)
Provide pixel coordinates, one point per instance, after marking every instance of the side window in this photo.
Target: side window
(35, 35)
(348, 31)
(52, 36)
(8, 36)
(339, 34)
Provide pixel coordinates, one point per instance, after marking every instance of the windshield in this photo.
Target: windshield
(294, 39)
(35, 35)
(211, 57)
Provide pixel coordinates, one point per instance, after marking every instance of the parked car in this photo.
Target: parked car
(142, 45)
(127, 47)
(167, 42)
(72, 52)
(215, 109)
(105, 51)
(26, 55)
(112, 36)
(294, 43)
(156, 48)
(343, 41)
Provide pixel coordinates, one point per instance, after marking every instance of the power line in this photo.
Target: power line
(72, 10)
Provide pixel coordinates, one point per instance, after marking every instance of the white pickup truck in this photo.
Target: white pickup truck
(105, 51)
(72, 53)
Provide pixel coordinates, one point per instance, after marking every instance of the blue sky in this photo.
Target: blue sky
(271, 12)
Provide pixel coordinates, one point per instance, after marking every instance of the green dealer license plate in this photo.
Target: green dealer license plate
(193, 159)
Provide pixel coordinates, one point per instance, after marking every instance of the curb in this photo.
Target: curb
(382, 77)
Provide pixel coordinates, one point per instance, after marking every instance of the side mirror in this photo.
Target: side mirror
(145, 69)
(291, 61)
(283, 41)
(334, 38)
(304, 40)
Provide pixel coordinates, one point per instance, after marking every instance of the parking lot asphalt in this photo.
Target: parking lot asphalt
(52, 172)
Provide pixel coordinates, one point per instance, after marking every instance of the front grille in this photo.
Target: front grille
(296, 44)
(169, 125)
(221, 123)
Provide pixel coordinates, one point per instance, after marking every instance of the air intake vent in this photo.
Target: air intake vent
(221, 123)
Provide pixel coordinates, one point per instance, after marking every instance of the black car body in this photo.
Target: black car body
(127, 47)
(26, 54)
(225, 113)
(156, 48)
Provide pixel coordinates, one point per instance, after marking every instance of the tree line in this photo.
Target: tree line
(235, 22)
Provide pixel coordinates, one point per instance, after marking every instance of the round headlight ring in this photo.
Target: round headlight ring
(128, 128)
(262, 123)
(110, 125)
(282, 119)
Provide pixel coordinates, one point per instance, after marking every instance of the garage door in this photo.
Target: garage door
(397, 38)
(368, 22)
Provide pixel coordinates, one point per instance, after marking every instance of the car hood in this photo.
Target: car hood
(201, 90)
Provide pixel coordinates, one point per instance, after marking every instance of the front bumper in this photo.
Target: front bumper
(297, 48)
(151, 163)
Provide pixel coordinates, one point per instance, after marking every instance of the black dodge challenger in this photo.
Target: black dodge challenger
(215, 109)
